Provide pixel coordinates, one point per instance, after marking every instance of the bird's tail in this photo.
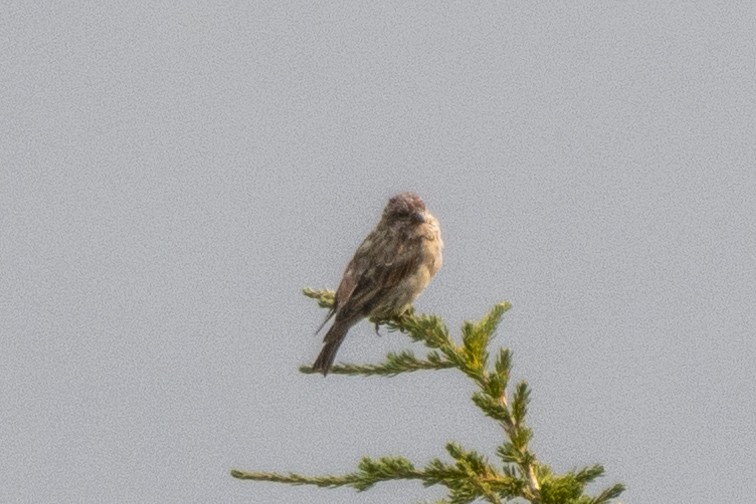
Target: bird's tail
(333, 339)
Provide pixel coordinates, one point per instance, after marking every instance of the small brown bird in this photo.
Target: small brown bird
(387, 273)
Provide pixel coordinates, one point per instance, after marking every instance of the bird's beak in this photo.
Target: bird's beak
(417, 217)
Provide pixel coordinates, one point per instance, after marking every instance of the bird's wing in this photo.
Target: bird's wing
(379, 264)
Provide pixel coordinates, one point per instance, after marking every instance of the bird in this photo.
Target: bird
(389, 270)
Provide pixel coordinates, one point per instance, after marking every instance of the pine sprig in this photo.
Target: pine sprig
(403, 362)
(470, 476)
(324, 297)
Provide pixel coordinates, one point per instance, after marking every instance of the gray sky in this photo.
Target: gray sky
(172, 175)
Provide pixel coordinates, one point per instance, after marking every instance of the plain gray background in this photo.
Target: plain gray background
(172, 174)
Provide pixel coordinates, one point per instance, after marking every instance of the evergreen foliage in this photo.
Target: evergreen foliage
(469, 476)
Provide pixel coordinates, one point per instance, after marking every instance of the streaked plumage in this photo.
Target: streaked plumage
(389, 270)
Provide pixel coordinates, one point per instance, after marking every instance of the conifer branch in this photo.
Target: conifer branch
(470, 476)
(403, 362)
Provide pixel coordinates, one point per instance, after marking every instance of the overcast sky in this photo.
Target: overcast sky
(172, 174)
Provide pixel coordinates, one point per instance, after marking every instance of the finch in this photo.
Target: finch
(388, 272)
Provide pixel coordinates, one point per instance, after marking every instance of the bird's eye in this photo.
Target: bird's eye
(402, 212)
